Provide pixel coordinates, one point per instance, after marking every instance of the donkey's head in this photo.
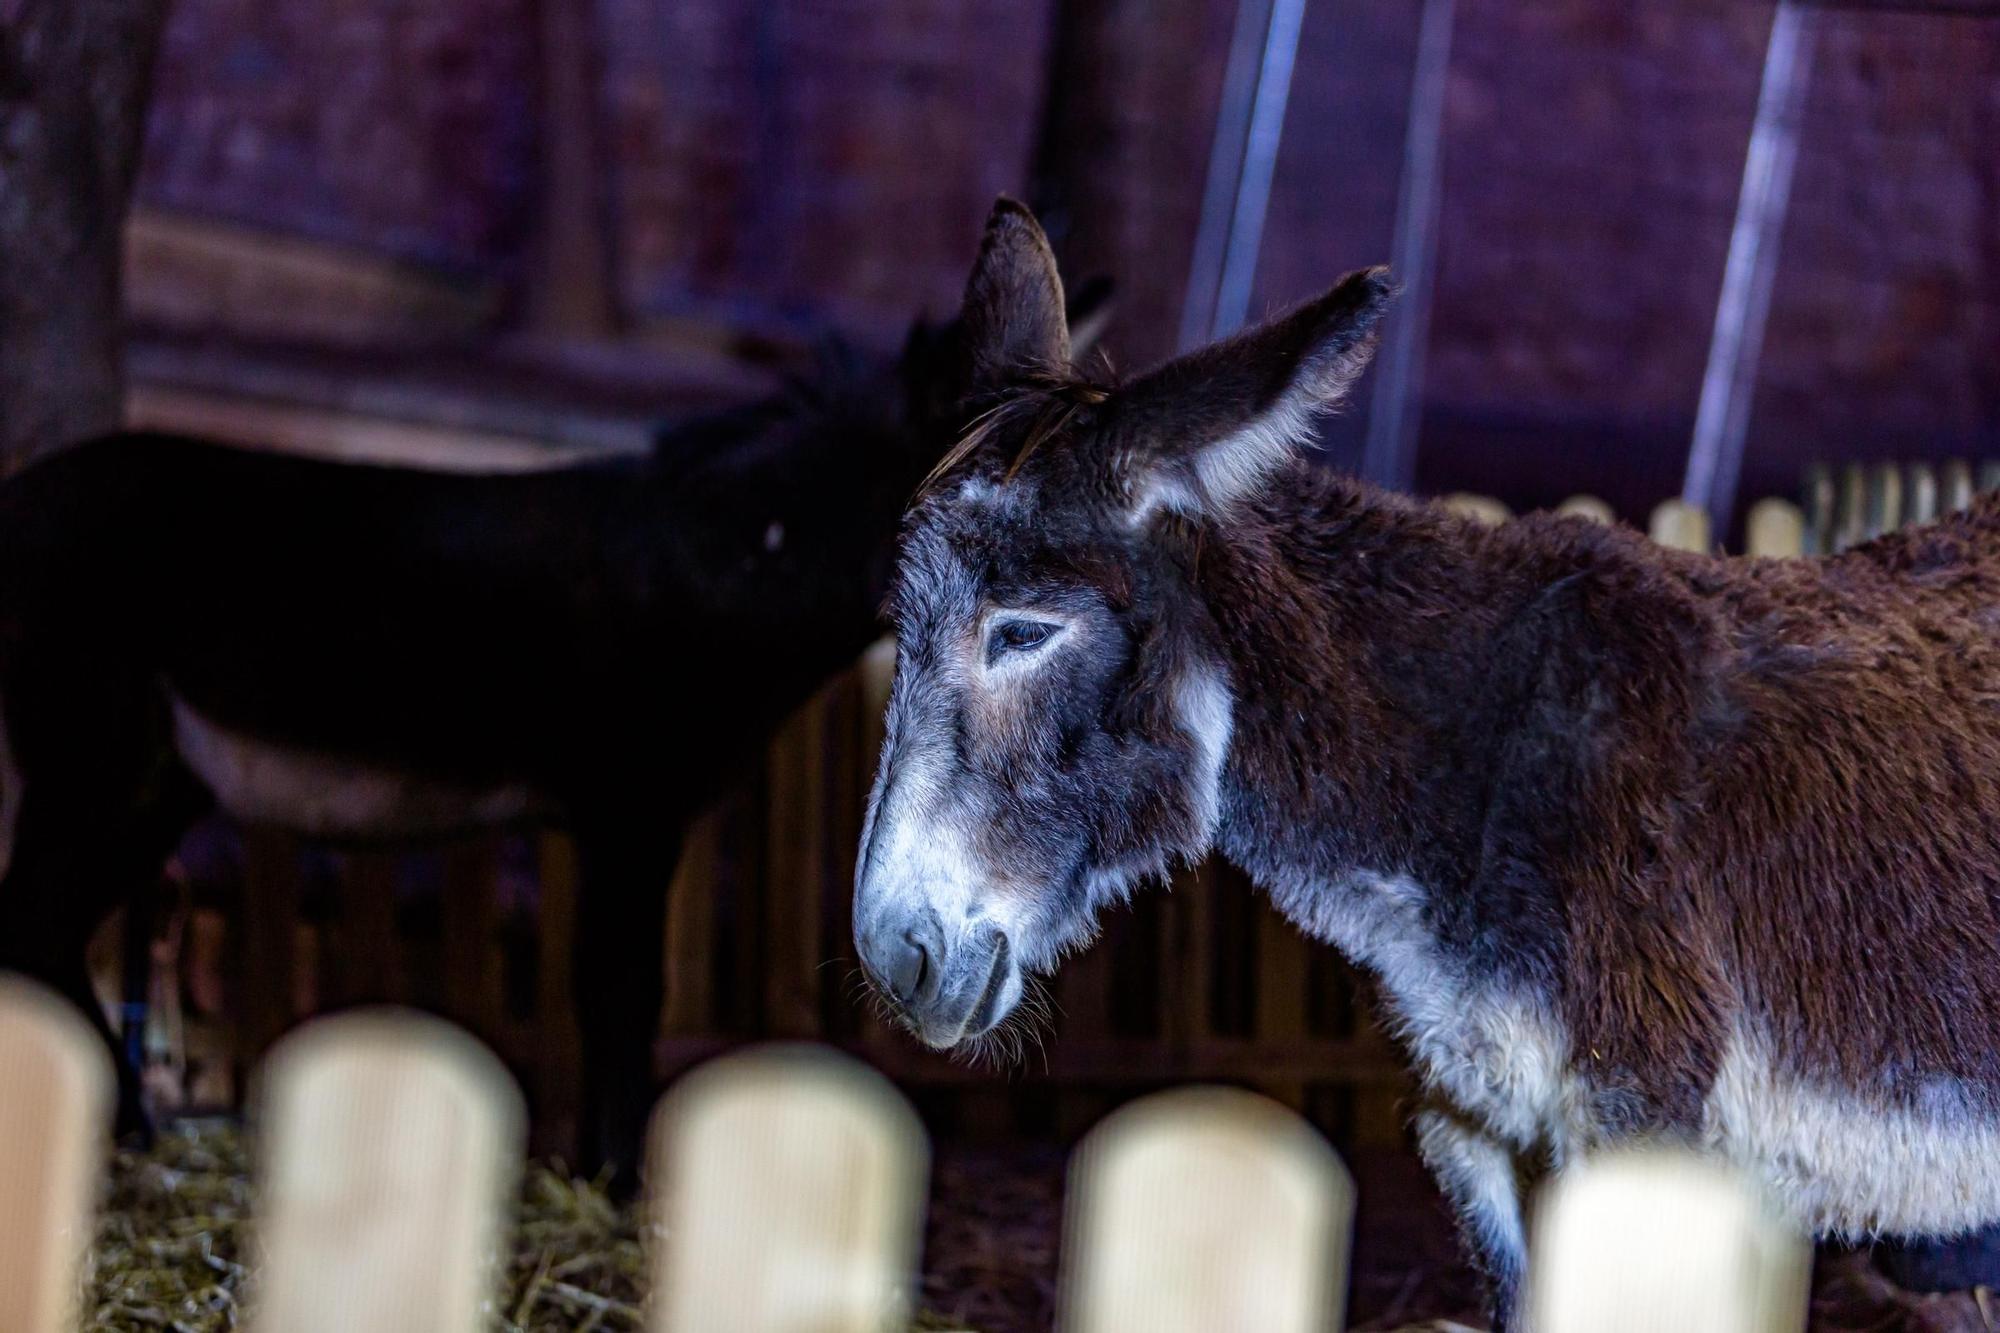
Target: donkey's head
(1061, 711)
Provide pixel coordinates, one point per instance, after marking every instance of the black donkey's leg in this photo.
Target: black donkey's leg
(618, 974)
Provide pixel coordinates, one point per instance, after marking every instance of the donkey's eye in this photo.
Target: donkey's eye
(1017, 636)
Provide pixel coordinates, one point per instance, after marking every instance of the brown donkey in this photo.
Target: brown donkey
(1635, 842)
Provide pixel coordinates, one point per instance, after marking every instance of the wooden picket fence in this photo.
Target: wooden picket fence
(788, 1184)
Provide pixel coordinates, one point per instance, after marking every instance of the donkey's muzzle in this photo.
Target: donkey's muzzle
(945, 990)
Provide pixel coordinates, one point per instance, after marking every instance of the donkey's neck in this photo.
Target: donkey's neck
(1368, 647)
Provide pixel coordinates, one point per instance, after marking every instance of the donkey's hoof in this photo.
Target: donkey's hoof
(1957, 1263)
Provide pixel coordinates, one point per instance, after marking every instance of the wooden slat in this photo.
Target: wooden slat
(1587, 506)
(472, 939)
(1774, 528)
(560, 1059)
(1680, 525)
(391, 1142)
(1850, 522)
(1482, 508)
(371, 961)
(1205, 1209)
(1660, 1242)
(270, 940)
(691, 943)
(56, 1087)
(1885, 500)
(1920, 491)
(790, 1190)
(1283, 969)
(794, 861)
(1820, 502)
(1954, 486)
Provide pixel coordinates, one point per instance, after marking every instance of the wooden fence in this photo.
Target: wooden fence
(787, 1189)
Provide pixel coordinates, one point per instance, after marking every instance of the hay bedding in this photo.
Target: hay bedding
(173, 1252)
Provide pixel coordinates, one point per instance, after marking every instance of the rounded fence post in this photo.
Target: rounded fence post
(1680, 525)
(1954, 486)
(1587, 506)
(788, 1187)
(56, 1087)
(1204, 1209)
(1775, 528)
(1920, 492)
(1662, 1241)
(391, 1146)
(1482, 508)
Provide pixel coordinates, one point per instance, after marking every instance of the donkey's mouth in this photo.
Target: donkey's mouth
(985, 1013)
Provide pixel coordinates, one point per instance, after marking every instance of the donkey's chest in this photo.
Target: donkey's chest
(1493, 1050)
(327, 794)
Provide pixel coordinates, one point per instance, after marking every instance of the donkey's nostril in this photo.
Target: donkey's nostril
(909, 968)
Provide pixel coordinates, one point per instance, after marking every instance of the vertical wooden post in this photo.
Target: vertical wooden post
(1885, 500)
(56, 1087)
(270, 939)
(794, 862)
(789, 1185)
(1775, 528)
(1659, 1241)
(471, 939)
(1954, 486)
(391, 1144)
(1484, 508)
(1921, 494)
(371, 965)
(1204, 1209)
(1820, 501)
(1680, 525)
(561, 1058)
(1850, 518)
(1283, 969)
(1587, 506)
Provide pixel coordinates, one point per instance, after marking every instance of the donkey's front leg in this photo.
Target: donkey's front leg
(1483, 1180)
(618, 978)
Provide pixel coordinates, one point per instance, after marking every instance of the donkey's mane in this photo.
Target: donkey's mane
(1045, 400)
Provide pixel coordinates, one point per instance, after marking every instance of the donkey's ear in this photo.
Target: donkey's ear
(1013, 317)
(1207, 428)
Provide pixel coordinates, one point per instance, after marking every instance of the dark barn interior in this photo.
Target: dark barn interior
(479, 234)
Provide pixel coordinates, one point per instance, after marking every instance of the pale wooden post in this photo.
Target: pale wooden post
(1587, 506)
(1920, 492)
(1954, 486)
(788, 1195)
(1680, 525)
(1820, 502)
(1885, 500)
(877, 669)
(1204, 1209)
(1850, 520)
(1482, 508)
(1663, 1241)
(1775, 528)
(56, 1086)
(391, 1143)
